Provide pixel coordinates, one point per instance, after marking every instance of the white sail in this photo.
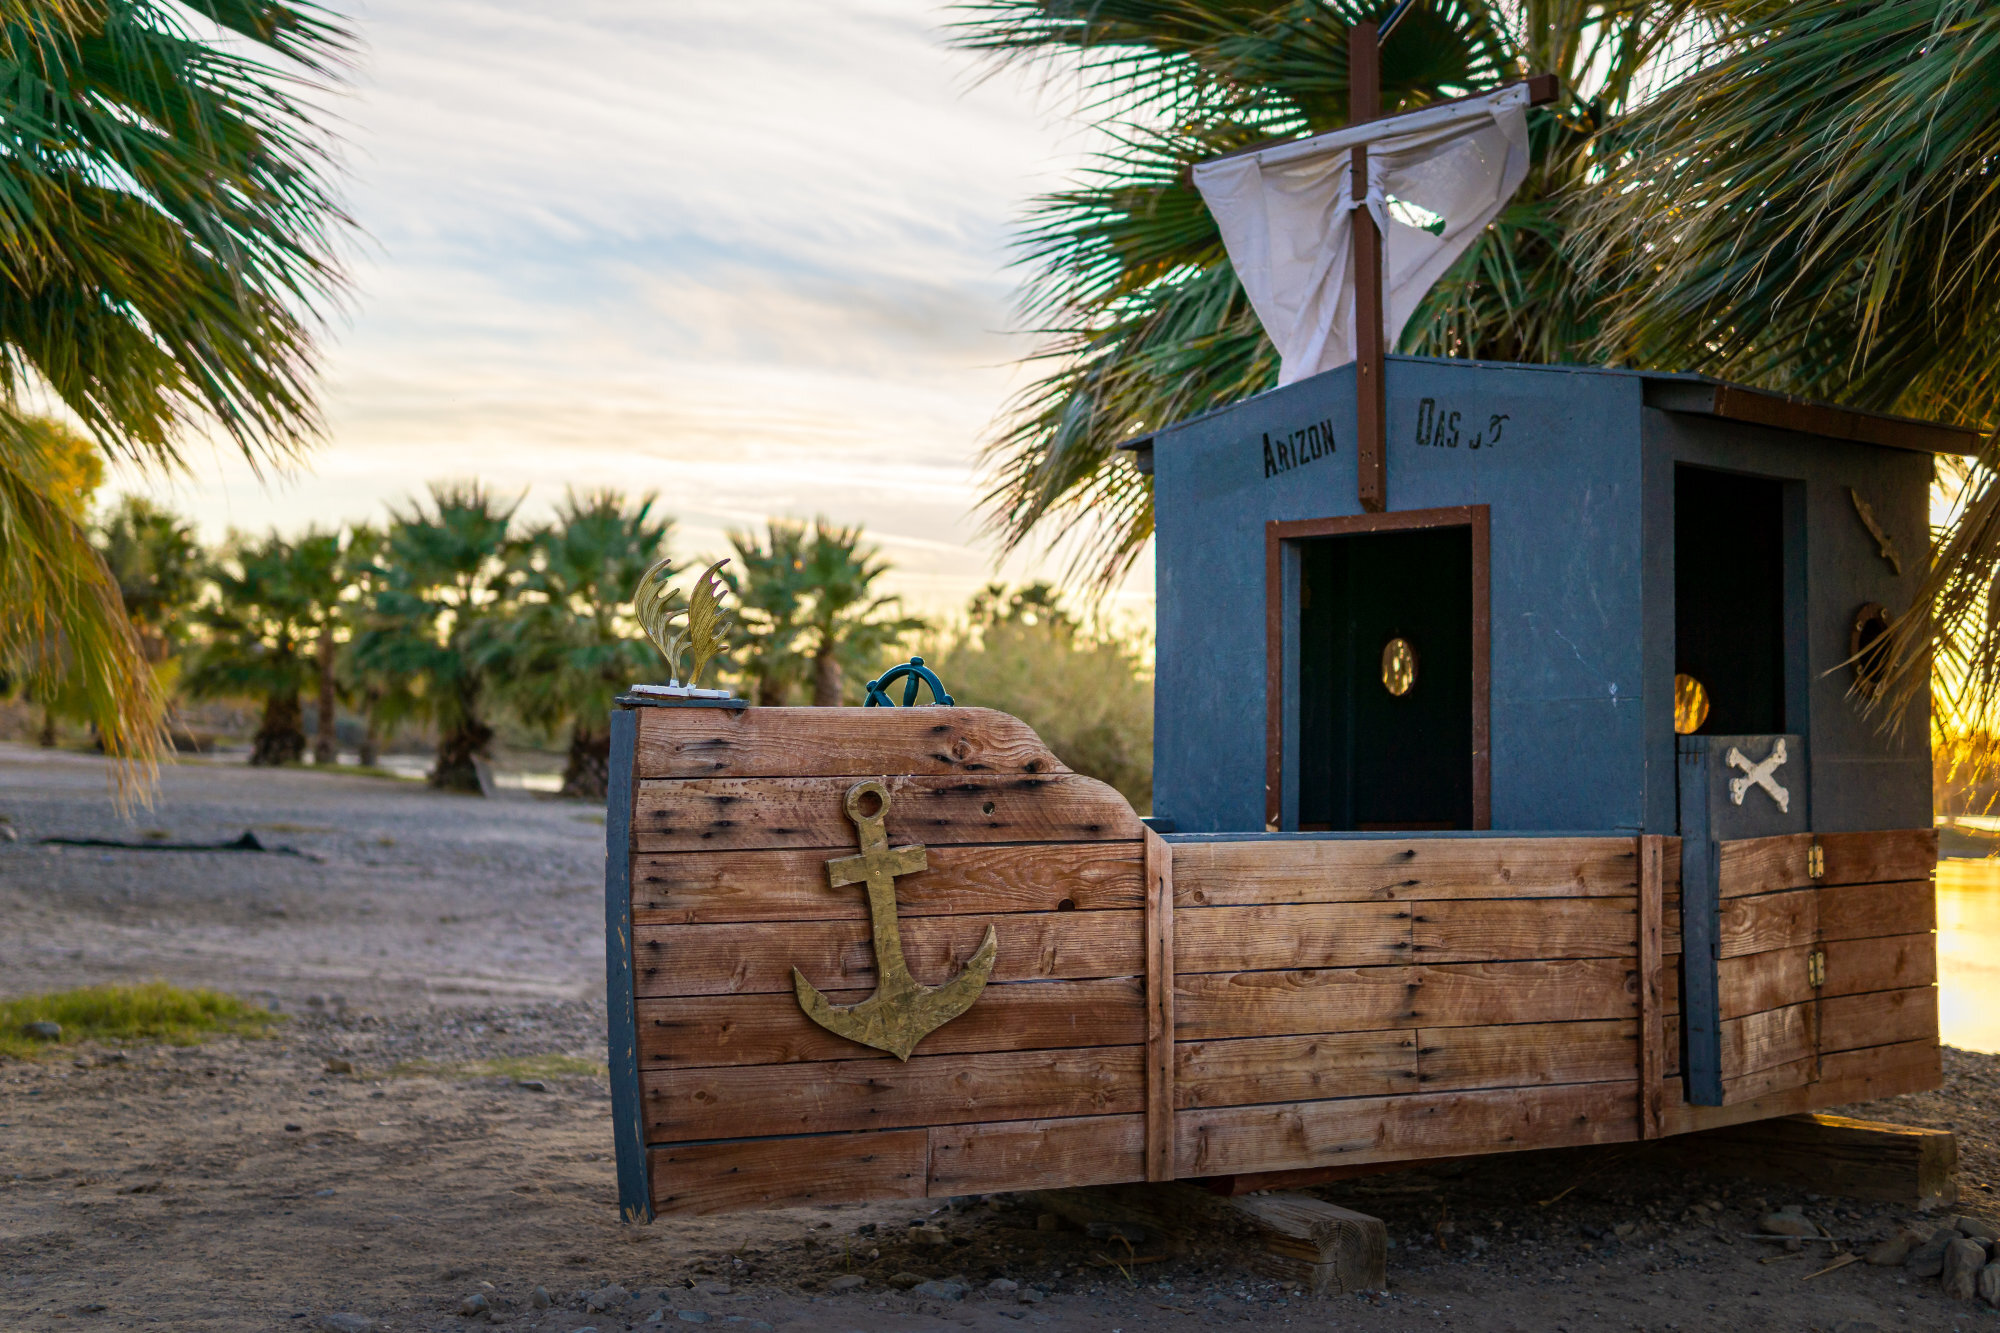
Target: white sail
(1286, 217)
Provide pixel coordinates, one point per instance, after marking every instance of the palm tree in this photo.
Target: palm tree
(449, 577)
(572, 643)
(167, 239)
(767, 578)
(1142, 318)
(1813, 211)
(159, 564)
(807, 602)
(270, 599)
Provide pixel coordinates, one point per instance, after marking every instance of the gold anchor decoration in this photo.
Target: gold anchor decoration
(902, 1011)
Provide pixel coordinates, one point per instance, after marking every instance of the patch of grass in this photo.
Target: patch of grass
(153, 1011)
(506, 1066)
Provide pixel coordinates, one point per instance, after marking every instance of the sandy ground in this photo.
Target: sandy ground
(443, 955)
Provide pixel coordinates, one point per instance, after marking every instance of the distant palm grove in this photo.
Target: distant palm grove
(452, 616)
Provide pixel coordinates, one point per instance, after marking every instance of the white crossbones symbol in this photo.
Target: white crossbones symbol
(1759, 775)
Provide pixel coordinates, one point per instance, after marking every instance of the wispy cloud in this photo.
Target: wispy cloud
(750, 256)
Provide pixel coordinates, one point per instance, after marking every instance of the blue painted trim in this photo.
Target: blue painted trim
(635, 1196)
(1422, 835)
(1701, 930)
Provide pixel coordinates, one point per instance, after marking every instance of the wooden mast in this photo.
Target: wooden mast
(1364, 103)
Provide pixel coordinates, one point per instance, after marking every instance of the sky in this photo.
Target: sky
(752, 257)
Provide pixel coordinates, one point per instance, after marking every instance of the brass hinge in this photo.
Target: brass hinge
(1815, 861)
(1816, 968)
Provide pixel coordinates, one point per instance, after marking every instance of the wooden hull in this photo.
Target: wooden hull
(1198, 1008)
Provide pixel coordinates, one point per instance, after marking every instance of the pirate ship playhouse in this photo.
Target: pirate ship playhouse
(1513, 790)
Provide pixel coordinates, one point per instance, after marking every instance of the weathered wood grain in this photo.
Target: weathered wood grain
(788, 1173)
(1251, 939)
(1270, 1004)
(1764, 865)
(1482, 931)
(1850, 1022)
(1893, 962)
(691, 888)
(1755, 983)
(1036, 1154)
(1765, 1040)
(1831, 1154)
(719, 814)
(1866, 911)
(1527, 1055)
(1760, 1083)
(1215, 874)
(1846, 1077)
(709, 1030)
(758, 958)
(1290, 1069)
(833, 742)
(748, 1101)
(1769, 921)
(1159, 1008)
(1228, 1140)
(1653, 1060)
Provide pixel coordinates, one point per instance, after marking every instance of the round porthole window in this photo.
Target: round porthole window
(1399, 667)
(1690, 705)
(1868, 647)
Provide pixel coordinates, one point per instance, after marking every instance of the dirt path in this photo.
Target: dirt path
(247, 1185)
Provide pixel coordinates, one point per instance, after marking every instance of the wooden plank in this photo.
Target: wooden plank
(1252, 939)
(1763, 865)
(1866, 911)
(1288, 1069)
(1036, 1154)
(1527, 1055)
(1270, 1004)
(758, 958)
(833, 742)
(1846, 1077)
(691, 888)
(1313, 870)
(747, 1101)
(1894, 962)
(1769, 921)
(714, 1030)
(1765, 1040)
(1227, 1140)
(1763, 1082)
(1670, 867)
(1849, 1022)
(635, 1194)
(719, 814)
(1754, 983)
(1833, 1154)
(1159, 1008)
(1652, 988)
(789, 1173)
(1480, 931)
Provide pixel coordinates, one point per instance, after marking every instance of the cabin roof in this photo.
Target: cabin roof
(1699, 395)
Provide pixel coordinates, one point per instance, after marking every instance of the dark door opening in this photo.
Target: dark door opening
(1385, 710)
(1729, 599)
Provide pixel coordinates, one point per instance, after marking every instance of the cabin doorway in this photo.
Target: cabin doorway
(1385, 660)
(1730, 617)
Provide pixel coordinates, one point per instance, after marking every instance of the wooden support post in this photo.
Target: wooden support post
(635, 1190)
(1324, 1247)
(1159, 1008)
(1652, 987)
(1831, 1154)
(1701, 928)
(1364, 103)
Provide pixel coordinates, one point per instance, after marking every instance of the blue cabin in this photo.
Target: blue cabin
(1565, 553)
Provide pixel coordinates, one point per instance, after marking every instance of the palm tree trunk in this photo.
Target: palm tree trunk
(326, 747)
(47, 739)
(588, 772)
(459, 753)
(281, 736)
(371, 739)
(826, 676)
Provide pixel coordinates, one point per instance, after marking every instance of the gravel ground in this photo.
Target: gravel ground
(440, 1133)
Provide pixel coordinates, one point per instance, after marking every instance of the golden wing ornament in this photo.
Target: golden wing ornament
(706, 623)
(658, 606)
